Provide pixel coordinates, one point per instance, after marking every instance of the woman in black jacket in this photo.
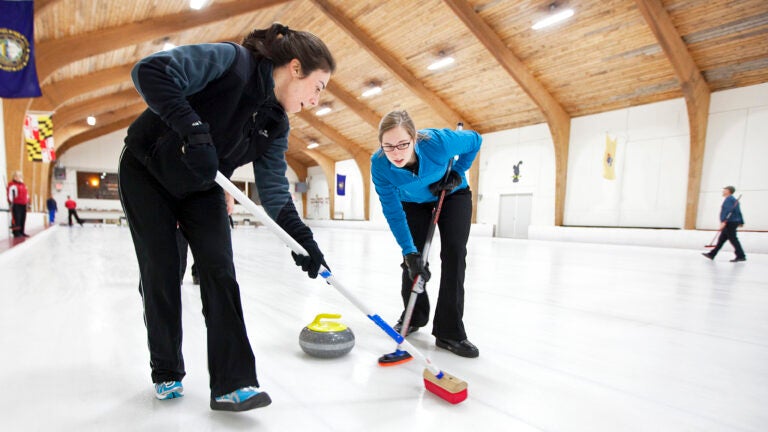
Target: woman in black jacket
(213, 107)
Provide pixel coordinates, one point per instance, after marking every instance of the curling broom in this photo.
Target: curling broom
(400, 356)
(442, 384)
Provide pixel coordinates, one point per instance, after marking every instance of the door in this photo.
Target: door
(514, 215)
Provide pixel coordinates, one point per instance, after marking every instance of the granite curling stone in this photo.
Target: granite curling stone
(326, 339)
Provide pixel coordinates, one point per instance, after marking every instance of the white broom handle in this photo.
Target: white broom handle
(260, 213)
(264, 218)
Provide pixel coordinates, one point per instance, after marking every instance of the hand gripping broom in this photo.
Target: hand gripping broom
(442, 384)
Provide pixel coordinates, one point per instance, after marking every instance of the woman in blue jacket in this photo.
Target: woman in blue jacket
(408, 172)
(213, 107)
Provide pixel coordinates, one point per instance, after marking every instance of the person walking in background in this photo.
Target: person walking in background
(213, 107)
(18, 198)
(71, 206)
(730, 220)
(50, 204)
(409, 173)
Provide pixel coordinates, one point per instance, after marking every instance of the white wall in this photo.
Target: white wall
(100, 154)
(351, 204)
(318, 201)
(737, 154)
(245, 173)
(499, 152)
(651, 166)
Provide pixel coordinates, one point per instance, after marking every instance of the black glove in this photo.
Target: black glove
(310, 264)
(446, 183)
(415, 266)
(199, 154)
(289, 220)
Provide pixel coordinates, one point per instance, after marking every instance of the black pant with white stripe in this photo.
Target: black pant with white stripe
(152, 214)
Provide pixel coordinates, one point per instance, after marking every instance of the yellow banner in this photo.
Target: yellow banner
(609, 158)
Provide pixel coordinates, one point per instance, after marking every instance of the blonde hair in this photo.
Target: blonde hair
(399, 118)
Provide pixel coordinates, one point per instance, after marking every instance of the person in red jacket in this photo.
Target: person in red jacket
(71, 206)
(18, 198)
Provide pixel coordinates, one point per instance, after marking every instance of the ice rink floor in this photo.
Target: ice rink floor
(572, 337)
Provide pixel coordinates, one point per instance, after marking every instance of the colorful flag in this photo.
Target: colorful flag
(609, 158)
(18, 75)
(38, 137)
(341, 184)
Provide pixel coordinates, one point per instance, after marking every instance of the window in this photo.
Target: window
(97, 185)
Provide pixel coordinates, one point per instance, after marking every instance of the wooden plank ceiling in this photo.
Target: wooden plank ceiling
(604, 58)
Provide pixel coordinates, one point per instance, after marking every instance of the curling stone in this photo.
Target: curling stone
(326, 339)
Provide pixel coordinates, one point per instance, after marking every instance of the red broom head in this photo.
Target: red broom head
(447, 387)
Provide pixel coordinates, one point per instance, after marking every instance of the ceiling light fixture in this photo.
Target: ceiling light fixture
(373, 89)
(91, 120)
(313, 144)
(196, 4)
(324, 109)
(553, 18)
(442, 61)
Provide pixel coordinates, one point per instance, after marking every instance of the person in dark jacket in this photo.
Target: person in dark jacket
(409, 172)
(213, 107)
(52, 207)
(730, 221)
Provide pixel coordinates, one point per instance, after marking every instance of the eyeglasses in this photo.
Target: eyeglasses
(401, 146)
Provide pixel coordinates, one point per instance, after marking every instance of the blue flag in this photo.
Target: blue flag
(18, 75)
(341, 184)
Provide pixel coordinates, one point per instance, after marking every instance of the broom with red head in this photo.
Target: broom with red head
(440, 383)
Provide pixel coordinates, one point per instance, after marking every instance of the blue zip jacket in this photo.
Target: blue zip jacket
(728, 204)
(395, 185)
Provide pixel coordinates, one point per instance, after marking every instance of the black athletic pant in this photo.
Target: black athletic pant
(454, 223)
(152, 215)
(19, 219)
(183, 245)
(73, 212)
(729, 234)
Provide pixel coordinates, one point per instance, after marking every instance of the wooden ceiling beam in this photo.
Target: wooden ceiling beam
(695, 90)
(74, 112)
(56, 53)
(65, 136)
(297, 167)
(57, 93)
(301, 173)
(392, 64)
(558, 120)
(362, 110)
(85, 137)
(360, 155)
(41, 5)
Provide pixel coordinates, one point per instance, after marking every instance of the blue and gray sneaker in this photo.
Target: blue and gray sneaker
(169, 390)
(242, 399)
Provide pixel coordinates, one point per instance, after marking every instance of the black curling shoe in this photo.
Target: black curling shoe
(463, 348)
